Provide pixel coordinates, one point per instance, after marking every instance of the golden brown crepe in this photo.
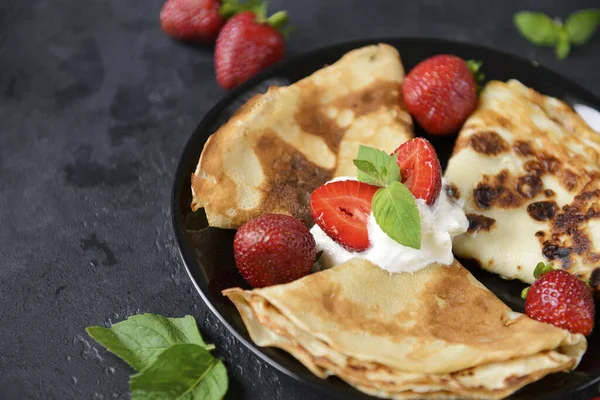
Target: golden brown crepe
(436, 333)
(281, 145)
(527, 168)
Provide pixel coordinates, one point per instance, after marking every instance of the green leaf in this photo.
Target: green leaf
(140, 338)
(365, 166)
(396, 213)
(524, 292)
(563, 47)
(229, 8)
(376, 167)
(278, 20)
(581, 25)
(475, 67)
(537, 27)
(182, 372)
(542, 268)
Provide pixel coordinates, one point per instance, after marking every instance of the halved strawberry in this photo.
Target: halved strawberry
(341, 209)
(420, 169)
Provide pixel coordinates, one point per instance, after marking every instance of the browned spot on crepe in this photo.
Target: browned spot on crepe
(372, 98)
(452, 191)
(506, 190)
(292, 177)
(488, 142)
(542, 210)
(351, 315)
(523, 148)
(478, 222)
(464, 304)
(312, 118)
(568, 234)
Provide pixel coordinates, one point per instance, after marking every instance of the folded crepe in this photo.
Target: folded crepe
(281, 145)
(436, 333)
(526, 167)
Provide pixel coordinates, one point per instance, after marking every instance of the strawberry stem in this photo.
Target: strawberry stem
(479, 76)
(229, 8)
(542, 268)
(278, 20)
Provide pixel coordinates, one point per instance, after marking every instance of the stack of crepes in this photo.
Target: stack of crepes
(437, 333)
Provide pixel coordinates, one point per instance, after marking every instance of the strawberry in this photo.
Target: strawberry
(561, 299)
(197, 20)
(341, 209)
(440, 92)
(420, 169)
(247, 44)
(273, 249)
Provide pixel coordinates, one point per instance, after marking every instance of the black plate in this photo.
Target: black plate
(207, 252)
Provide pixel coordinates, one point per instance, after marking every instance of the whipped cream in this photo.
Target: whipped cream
(439, 224)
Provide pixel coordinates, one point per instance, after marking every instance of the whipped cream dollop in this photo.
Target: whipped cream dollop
(440, 222)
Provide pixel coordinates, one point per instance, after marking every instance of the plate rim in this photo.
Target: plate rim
(187, 255)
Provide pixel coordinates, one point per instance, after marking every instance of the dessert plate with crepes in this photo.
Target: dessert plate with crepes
(355, 329)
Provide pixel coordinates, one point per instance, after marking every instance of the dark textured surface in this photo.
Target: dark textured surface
(96, 105)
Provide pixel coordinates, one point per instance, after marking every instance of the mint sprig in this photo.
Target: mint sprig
(544, 31)
(394, 207)
(169, 354)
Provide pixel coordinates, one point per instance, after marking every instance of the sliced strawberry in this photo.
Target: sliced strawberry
(420, 169)
(341, 209)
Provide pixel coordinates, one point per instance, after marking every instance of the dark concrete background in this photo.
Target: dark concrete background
(96, 105)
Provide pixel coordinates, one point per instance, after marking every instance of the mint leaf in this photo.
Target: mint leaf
(581, 25)
(395, 211)
(140, 338)
(183, 372)
(542, 268)
(563, 47)
(538, 28)
(376, 167)
(365, 166)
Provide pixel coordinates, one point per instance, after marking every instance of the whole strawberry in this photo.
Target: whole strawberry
(247, 44)
(561, 299)
(273, 249)
(195, 20)
(440, 92)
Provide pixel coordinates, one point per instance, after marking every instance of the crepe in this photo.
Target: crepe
(526, 167)
(436, 333)
(281, 145)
